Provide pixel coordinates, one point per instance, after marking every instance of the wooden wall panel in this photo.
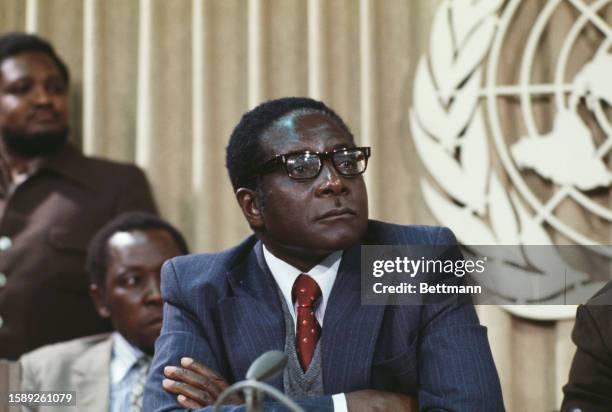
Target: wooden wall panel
(227, 98)
(285, 51)
(12, 15)
(115, 65)
(171, 97)
(564, 353)
(532, 381)
(62, 21)
(340, 59)
(397, 172)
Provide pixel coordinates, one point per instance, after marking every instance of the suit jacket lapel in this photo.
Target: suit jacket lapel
(350, 330)
(92, 377)
(252, 319)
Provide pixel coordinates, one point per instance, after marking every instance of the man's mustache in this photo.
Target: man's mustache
(34, 113)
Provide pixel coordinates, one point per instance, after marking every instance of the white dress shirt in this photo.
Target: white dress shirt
(19, 176)
(122, 372)
(324, 274)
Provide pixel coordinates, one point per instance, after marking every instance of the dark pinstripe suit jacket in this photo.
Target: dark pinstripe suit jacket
(223, 310)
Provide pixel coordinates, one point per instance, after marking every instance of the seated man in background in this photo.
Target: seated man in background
(108, 371)
(52, 201)
(589, 388)
(295, 286)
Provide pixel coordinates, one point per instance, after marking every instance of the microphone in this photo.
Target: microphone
(264, 367)
(267, 365)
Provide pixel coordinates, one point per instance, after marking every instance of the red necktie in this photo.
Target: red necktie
(306, 292)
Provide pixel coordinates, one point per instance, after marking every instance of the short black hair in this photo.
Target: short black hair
(97, 254)
(14, 43)
(244, 152)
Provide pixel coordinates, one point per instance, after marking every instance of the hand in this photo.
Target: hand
(195, 385)
(369, 400)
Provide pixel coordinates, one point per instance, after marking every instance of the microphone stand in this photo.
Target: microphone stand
(264, 367)
(260, 387)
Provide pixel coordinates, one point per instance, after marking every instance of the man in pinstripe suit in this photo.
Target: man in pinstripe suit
(296, 172)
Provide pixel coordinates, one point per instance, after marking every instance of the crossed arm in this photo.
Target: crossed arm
(197, 386)
(192, 385)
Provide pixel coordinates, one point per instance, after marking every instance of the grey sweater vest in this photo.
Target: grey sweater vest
(297, 383)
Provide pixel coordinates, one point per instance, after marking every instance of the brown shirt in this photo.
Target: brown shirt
(45, 227)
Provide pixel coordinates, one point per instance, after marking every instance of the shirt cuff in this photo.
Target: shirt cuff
(339, 400)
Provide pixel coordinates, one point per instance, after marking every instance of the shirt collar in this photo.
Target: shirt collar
(70, 163)
(11, 179)
(285, 274)
(67, 162)
(125, 355)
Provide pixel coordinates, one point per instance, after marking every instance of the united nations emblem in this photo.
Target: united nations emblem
(514, 131)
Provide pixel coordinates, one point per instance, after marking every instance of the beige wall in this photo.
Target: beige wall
(162, 83)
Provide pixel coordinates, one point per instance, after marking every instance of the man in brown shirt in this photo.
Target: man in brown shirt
(52, 201)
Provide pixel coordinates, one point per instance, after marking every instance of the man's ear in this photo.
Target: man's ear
(251, 208)
(97, 296)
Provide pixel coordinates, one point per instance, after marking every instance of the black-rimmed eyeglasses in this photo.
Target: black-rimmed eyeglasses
(306, 165)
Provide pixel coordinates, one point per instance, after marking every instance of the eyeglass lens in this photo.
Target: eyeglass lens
(307, 165)
(349, 162)
(303, 165)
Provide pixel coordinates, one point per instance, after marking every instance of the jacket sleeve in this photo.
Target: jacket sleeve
(183, 335)
(590, 378)
(456, 367)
